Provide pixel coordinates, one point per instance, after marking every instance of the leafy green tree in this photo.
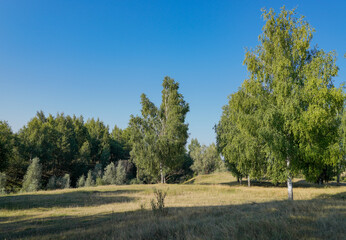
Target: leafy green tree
(6, 145)
(99, 141)
(340, 149)
(158, 138)
(120, 173)
(291, 103)
(109, 174)
(120, 144)
(205, 159)
(32, 178)
(238, 139)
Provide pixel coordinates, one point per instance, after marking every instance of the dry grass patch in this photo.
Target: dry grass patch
(210, 207)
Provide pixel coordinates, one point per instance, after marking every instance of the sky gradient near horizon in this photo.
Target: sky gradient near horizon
(95, 58)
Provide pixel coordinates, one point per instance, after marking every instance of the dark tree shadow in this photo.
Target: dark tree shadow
(64, 199)
(319, 218)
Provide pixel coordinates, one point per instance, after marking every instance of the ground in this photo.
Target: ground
(207, 207)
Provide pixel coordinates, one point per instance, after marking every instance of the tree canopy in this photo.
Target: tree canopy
(288, 106)
(159, 137)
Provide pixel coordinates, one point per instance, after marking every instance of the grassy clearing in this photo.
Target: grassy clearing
(207, 207)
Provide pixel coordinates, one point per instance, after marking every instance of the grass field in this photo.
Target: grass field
(206, 207)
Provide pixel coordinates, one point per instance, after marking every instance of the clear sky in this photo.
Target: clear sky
(95, 58)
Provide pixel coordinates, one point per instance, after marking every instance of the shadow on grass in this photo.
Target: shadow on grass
(64, 199)
(319, 218)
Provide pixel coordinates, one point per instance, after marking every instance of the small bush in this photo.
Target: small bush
(81, 181)
(158, 203)
(135, 181)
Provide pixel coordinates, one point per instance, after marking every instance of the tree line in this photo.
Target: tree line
(61, 151)
(286, 119)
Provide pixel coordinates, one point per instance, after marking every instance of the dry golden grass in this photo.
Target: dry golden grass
(206, 207)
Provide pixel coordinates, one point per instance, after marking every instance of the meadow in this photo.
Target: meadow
(206, 207)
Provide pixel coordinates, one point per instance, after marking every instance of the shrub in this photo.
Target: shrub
(32, 178)
(158, 203)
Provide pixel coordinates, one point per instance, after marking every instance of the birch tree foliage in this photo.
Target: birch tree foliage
(289, 104)
(300, 101)
(159, 136)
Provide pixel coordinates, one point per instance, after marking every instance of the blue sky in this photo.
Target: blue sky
(95, 58)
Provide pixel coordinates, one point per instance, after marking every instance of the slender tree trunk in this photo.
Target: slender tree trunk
(289, 181)
(237, 179)
(248, 181)
(161, 173)
(241, 180)
(338, 175)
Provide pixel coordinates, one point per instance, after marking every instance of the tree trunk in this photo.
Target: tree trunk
(241, 180)
(248, 181)
(289, 181)
(161, 173)
(237, 179)
(338, 175)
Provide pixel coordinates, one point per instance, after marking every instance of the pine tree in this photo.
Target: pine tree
(81, 181)
(89, 182)
(51, 185)
(32, 178)
(120, 173)
(66, 181)
(110, 174)
(2, 183)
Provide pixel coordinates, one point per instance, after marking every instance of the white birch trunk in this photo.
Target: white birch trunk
(161, 173)
(248, 181)
(289, 181)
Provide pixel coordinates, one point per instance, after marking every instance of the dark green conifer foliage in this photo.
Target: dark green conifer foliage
(89, 182)
(32, 178)
(109, 174)
(120, 173)
(81, 181)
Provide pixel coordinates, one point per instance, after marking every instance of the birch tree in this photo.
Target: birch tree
(159, 136)
(289, 102)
